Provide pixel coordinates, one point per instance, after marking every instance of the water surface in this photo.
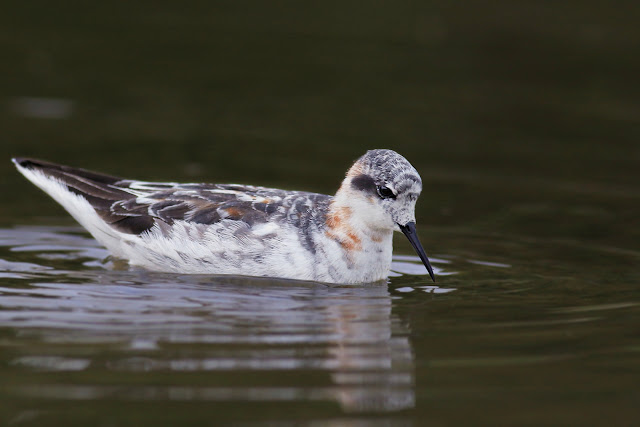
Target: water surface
(80, 331)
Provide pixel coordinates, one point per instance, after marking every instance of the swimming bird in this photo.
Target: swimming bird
(246, 230)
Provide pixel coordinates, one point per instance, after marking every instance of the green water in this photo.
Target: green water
(523, 120)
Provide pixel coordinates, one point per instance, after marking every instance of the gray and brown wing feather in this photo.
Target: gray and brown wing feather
(136, 206)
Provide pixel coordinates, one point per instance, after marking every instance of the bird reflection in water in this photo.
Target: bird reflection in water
(241, 335)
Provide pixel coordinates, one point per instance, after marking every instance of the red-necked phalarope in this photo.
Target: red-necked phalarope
(246, 230)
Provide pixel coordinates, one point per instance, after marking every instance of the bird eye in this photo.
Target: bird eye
(385, 192)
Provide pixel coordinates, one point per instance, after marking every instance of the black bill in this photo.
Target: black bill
(409, 230)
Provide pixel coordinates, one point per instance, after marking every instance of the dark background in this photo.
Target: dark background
(500, 105)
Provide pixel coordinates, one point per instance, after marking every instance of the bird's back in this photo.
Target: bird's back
(199, 228)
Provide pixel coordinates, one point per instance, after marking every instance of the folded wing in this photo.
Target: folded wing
(134, 207)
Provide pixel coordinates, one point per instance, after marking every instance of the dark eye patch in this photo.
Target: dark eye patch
(364, 183)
